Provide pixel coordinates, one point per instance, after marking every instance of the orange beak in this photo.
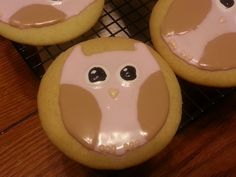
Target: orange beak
(113, 93)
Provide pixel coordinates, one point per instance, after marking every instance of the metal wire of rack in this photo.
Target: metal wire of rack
(127, 18)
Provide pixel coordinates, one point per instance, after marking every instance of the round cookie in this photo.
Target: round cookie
(110, 103)
(46, 22)
(197, 39)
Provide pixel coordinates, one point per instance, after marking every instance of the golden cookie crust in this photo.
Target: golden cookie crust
(226, 78)
(48, 105)
(57, 33)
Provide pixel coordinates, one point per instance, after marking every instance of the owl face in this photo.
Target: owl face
(37, 13)
(100, 78)
(113, 72)
(108, 99)
(203, 38)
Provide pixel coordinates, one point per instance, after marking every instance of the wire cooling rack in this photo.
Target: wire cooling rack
(127, 18)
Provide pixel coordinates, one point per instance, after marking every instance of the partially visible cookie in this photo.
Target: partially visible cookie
(45, 22)
(197, 39)
(110, 103)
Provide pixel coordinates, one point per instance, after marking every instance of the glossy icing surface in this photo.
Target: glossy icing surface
(36, 13)
(119, 111)
(202, 36)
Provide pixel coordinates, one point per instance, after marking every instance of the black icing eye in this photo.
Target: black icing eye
(128, 73)
(97, 74)
(227, 3)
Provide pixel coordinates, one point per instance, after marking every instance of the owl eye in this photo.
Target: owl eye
(97, 74)
(227, 3)
(128, 73)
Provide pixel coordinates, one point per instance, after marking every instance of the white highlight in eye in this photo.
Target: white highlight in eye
(123, 82)
(99, 84)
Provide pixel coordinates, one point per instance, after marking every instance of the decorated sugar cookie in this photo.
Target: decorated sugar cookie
(42, 22)
(117, 103)
(197, 38)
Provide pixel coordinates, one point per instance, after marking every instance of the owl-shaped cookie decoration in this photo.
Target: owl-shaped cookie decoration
(201, 34)
(30, 15)
(115, 101)
(112, 100)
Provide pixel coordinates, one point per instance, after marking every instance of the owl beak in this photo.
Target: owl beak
(113, 93)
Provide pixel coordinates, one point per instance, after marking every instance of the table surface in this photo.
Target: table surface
(205, 148)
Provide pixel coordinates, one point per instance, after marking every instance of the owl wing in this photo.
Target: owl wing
(220, 52)
(153, 104)
(80, 113)
(185, 15)
(36, 19)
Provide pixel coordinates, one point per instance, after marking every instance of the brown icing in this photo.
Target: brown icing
(153, 108)
(79, 108)
(36, 15)
(220, 53)
(185, 15)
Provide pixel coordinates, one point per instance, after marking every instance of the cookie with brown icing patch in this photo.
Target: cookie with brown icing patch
(117, 103)
(46, 22)
(196, 38)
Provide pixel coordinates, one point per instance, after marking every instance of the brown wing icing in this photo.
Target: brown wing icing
(80, 113)
(153, 104)
(185, 15)
(36, 15)
(220, 53)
